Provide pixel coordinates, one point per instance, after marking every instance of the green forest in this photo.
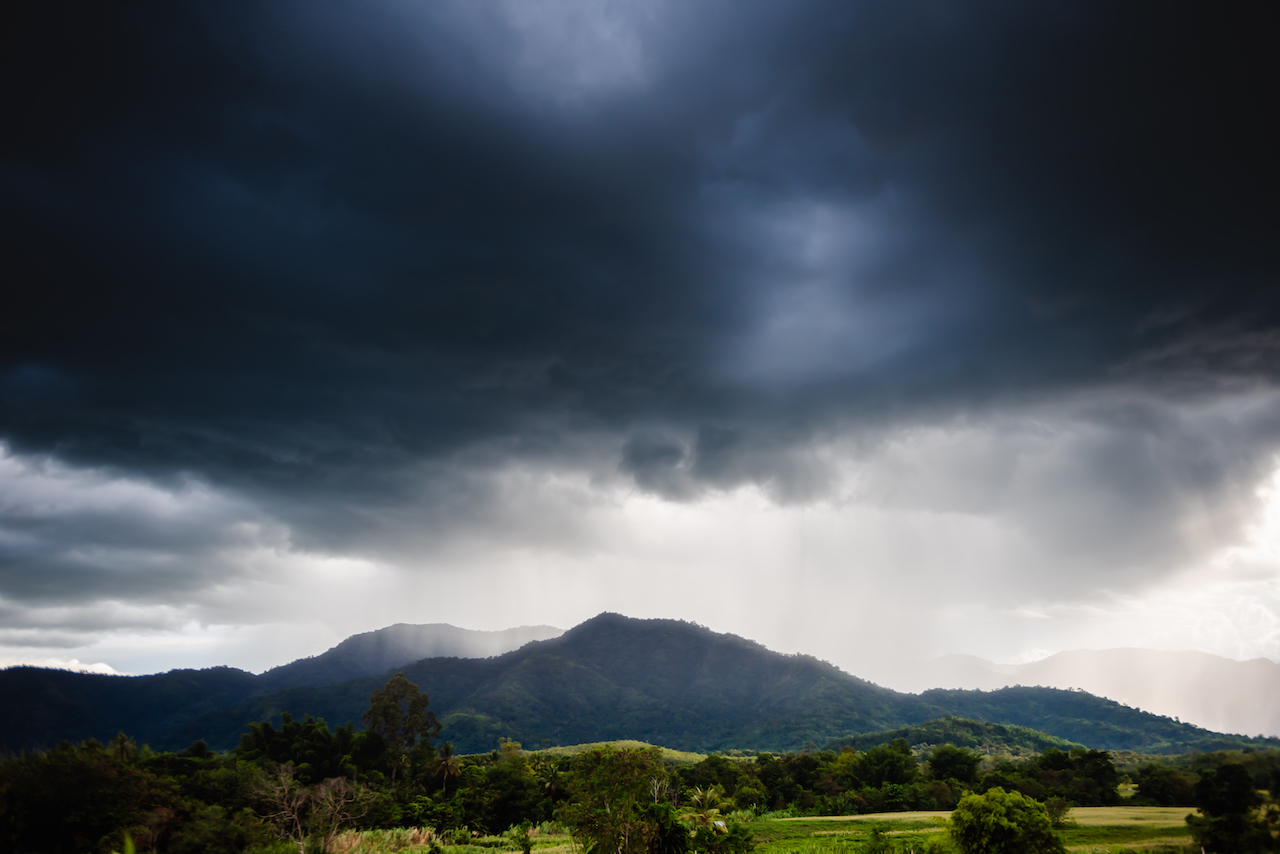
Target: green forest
(305, 786)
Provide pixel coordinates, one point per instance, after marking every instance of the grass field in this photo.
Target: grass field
(1091, 830)
(1099, 829)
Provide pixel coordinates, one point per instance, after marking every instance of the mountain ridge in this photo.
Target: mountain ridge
(611, 677)
(1211, 691)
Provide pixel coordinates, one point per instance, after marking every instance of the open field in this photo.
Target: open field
(1091, 829)
(836, 834)
(1099, 829)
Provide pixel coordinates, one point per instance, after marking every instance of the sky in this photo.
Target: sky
(873, 331)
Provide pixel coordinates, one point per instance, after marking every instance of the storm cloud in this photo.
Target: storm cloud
(437, 291)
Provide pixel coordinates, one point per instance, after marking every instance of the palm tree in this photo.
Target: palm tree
(704, 809)
(448, 766)
(548, 776)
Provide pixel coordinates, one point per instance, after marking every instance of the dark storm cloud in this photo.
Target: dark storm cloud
(300, 247)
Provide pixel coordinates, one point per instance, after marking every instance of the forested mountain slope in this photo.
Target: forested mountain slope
(981, 736)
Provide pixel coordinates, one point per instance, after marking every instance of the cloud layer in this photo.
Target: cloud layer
(368, 299)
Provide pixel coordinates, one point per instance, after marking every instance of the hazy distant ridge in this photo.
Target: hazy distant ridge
(371, 653)
(1207, 690)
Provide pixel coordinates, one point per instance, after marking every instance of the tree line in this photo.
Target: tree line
(293, 786)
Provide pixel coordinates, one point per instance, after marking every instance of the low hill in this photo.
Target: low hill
(669, 756)
(372, 653)
(982, 736)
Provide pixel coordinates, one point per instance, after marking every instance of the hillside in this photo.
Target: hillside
(39, 707)
(610, 678)
(982, 736)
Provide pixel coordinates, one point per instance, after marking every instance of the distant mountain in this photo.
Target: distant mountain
(1210, 691)
(371, 653)
(661, 681)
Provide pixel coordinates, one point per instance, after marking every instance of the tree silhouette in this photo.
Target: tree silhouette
(398, 714)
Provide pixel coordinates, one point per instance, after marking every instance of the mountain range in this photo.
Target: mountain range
(611, 677)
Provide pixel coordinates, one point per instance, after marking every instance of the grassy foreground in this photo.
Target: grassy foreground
(1091, 830)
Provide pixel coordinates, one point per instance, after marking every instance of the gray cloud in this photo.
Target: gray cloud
(376, 280)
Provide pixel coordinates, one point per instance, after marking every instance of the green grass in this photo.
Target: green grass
(838, 834)
(1091, 830)
(1098, 829)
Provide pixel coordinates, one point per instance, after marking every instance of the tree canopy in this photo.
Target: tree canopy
(398, 715)
(1000, 822)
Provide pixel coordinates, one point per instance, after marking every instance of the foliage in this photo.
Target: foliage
(614, 809)
(949, 762)
(1000, 822)
(78, 798)
(1081, 777)
(398, 715)
(1165, 786)
(205, 794)
(1058, 810)
(215, 830)
(315, 752)
(1227, 800)
(981, 735)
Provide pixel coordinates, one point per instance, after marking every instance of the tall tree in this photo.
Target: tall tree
(611, 810)
(1000, 822)
(398, 714)
(448, 767)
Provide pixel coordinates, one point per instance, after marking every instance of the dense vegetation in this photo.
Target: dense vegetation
(982, 736)
(303, 782)
(660, 681)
